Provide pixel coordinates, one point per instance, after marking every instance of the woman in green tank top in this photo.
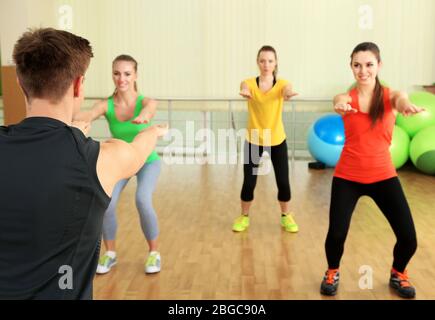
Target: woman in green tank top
(127, 113)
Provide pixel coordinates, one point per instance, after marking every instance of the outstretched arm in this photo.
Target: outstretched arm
(244, 90)
(99, 109)
(342, 104)
(119, 160)
(288, 93)
(149, 107)
(401, 103)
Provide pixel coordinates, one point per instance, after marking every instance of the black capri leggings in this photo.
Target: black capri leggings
(389, 197)
(279, 157)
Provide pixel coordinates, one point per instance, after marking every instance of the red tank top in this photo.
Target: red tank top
(366, 156)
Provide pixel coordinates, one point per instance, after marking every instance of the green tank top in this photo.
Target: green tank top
(125, 130)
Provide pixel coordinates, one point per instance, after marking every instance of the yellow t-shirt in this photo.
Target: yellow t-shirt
(265, 127)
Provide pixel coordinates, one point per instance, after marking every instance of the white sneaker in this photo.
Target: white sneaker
(105, 264)
(153, 262)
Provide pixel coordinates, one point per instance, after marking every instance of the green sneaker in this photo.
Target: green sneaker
(153, 263)
(241, 223)
(289, 223)
(105, 264)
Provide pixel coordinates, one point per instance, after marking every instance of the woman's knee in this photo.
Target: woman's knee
(144, 203)
(336, 237)
(408, 240)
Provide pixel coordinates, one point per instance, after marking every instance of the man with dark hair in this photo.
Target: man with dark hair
(56, 183)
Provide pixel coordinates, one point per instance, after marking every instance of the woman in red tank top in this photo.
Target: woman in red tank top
(365, 168)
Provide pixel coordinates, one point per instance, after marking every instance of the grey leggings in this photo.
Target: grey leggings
(146, 182)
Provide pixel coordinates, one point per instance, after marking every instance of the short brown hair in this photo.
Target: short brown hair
(48, 60)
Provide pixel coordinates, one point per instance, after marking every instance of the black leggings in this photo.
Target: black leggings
(279, 157)
(389, 197)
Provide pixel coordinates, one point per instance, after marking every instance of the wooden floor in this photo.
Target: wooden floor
(203, 259)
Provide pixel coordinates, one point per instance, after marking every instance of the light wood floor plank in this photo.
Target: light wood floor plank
(203, 259)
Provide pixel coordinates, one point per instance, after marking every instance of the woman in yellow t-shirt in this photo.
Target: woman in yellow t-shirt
(265, 95)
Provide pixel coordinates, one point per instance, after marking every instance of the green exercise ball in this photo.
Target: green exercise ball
(399, 148)
(413, 124)
(422, 150)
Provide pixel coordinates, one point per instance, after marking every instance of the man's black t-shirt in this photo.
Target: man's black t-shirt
(51, 211)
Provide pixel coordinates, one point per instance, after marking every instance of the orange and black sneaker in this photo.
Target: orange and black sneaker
(400, 282)
(329, 284)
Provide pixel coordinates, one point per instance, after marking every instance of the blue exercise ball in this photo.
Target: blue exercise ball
(326, 139)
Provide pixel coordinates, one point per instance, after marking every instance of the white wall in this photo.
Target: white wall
(16, 16)
(203, 48)
(13, 20)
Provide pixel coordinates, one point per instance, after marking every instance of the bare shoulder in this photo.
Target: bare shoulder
(115, 149)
